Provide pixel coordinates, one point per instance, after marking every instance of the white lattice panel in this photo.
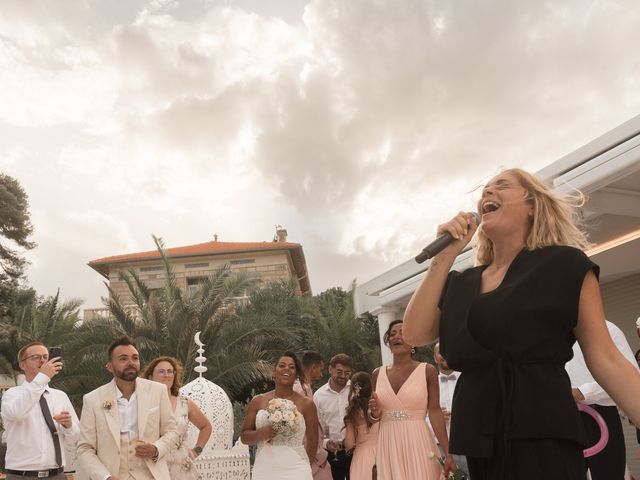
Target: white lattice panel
(225, 465)
(216, 406)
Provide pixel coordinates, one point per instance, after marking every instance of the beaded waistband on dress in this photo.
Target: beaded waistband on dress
(402, 415)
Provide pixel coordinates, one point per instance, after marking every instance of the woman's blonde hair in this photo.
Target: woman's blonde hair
(556, 220)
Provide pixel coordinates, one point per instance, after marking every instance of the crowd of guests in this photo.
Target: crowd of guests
(134, 427)
(357, 425)
(502, 403)
(361, 427)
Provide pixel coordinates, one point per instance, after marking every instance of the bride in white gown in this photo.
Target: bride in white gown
(282, 451)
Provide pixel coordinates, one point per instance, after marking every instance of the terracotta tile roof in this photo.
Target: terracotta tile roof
(208, 248)
(102, 265)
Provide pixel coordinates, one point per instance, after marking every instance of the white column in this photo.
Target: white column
(385, 315)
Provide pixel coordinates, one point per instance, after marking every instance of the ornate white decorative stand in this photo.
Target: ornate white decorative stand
(219, 460)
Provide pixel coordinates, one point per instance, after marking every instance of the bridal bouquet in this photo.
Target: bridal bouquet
(283, 415)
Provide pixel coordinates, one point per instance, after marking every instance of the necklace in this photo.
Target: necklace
(275, 395)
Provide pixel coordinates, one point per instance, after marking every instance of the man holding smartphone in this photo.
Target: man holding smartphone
(38, 419)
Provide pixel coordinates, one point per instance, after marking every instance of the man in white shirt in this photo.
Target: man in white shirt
(609, 464)
(127, 425)
(447, 380)
(331, 401)
(38, 419)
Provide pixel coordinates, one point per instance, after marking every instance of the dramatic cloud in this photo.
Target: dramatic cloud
(358, 125)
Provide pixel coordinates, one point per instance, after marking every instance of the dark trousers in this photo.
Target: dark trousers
(609, 463)
(532, 459)
(340, 464)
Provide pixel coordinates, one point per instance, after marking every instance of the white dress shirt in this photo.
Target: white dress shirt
(128, 414)
(447, 383)
(447, 386)
(581, 377)
(29, 440)
(332, 407)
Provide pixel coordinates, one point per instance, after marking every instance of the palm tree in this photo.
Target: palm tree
(164, 322)
(335, 328)
(275, 317)
(44, 319)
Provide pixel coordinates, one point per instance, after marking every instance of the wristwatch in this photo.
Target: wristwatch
(156, 456)
(197, 450)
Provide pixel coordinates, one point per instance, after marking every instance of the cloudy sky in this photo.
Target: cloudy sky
(357, 124)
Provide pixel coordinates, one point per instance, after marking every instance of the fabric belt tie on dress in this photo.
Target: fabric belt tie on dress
(402, 415)
(507, 380)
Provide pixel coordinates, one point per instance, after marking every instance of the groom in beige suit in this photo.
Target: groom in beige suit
(126, 427)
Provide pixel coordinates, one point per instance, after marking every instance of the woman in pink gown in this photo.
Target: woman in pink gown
(404, 392)
(361, 434)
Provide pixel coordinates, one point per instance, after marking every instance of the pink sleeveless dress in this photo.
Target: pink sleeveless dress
(406, 449)
(364, 455)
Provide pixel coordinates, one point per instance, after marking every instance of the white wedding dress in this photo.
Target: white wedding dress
(283, 457)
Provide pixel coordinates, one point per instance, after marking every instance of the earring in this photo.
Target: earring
(413, 350)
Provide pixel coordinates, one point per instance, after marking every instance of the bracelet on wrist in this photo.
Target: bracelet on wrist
(372, 416)
(197, 450)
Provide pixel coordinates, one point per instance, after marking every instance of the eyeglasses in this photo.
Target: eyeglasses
(162, 372)
(36, 358)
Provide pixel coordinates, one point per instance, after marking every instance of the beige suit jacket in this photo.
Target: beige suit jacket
(99, 445)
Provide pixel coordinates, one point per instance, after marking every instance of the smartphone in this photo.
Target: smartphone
(55, 352)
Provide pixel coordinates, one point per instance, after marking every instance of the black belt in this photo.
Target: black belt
(37, 473)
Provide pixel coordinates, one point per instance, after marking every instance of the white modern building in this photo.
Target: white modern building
(607, 170)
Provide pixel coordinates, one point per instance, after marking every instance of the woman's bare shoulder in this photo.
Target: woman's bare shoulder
(261, 401)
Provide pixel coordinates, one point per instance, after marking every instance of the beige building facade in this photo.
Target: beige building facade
(274, 261)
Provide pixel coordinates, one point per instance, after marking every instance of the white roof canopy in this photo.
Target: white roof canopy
(607, 170)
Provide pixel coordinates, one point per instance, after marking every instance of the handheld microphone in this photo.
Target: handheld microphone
(440, 243)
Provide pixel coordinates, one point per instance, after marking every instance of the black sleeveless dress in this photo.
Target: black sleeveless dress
(513, 412)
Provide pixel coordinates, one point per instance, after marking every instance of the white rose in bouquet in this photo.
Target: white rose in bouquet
(283, 415)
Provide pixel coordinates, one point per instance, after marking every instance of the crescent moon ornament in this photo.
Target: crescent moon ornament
(200, 369)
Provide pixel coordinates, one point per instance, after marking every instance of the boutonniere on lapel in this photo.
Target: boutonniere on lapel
(107, 405)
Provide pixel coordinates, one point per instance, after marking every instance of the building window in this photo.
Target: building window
(193, 284)
(151, 269)
(196, 265)
(240, 262)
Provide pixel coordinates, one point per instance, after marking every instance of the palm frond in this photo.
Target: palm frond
(172, 292)
(120, 314)
(137, 289)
